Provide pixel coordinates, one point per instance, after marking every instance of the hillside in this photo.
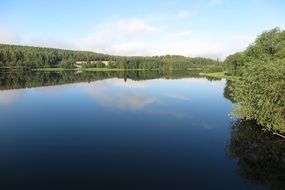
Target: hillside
(36, 57)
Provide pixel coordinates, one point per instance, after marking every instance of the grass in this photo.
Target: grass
(220, 75)
(84, 69)
(58, 69)
(108, 69)
(54, 69)
(195, 69)
(45, 69)
(215, 74)
(102, 69)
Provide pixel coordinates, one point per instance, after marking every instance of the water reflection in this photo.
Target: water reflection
(24, 79)
(134, 133)
(98, 122)
(53, 91)
(9, 96)
(178, 96)
(118, 93)
(260, 155)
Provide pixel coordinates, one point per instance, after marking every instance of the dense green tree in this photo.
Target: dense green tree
(267, 46)
(29, 57)
(234, 63)
(260, 94)
(259, 87)
(67, 63)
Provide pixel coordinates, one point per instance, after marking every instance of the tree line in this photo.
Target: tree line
(35, 57)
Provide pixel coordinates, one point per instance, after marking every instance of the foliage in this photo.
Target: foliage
(260, 94)
(234, 63)
(35, 57)
(25, 56)
(66, 63)
(268, 46)
(260, 86)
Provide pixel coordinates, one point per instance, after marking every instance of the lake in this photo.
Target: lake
(129, 131)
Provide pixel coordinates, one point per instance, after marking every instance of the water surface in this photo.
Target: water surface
(119, 133)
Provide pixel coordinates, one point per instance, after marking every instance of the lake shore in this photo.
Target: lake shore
(85, 69)
(220, 75)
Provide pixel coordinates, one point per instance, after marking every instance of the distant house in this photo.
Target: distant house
(80, 63)
(106, 63)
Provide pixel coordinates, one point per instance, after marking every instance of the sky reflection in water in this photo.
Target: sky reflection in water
(118, 134)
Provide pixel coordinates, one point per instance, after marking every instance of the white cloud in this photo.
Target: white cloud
(141, 37)
(133, 27)
(237, 43)
(8, 36)
(191, 47)
(119, 36)
(129, 48)
(49, 40)
(122, 29)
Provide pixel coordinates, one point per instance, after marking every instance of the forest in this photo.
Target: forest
(12, 56)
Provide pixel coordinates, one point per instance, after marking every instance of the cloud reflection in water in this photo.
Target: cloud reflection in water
(117, 93)
(9, 96)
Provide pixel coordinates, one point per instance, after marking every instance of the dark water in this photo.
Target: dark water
(119, 133)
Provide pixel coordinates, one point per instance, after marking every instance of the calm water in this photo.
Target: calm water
(120, 134)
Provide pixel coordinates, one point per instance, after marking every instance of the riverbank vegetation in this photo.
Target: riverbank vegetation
(259, 87)
(218, 75)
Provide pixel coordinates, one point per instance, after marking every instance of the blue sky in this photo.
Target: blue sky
(211, 28)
